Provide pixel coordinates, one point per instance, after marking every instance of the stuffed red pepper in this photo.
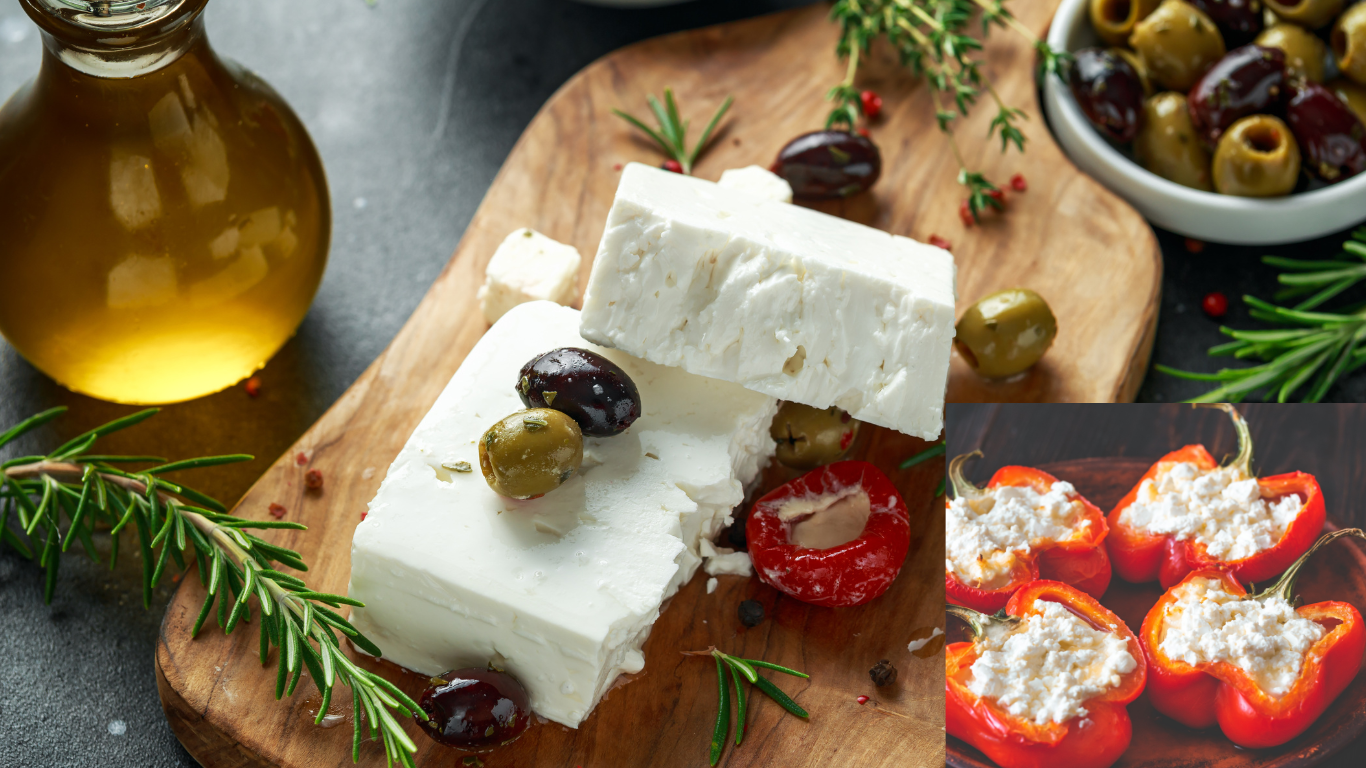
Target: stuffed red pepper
(1188, 513)
(1258, 666)
(1025, 525)
(1046, 684)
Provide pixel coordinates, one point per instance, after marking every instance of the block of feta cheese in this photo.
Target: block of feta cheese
(560, 591)
(781, 299)
(757, 181)
(528, 266)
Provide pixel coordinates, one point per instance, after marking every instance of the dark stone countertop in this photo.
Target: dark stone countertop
(413, 106)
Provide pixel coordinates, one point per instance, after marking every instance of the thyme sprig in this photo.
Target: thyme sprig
(748, 670)
(673, 130)
(1308, 347)
(934, 38)
(175, 522)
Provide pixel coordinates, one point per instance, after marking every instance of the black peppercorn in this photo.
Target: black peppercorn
(883, 673)
(751, 613)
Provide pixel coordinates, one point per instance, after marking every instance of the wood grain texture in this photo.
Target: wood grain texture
(1319, 439)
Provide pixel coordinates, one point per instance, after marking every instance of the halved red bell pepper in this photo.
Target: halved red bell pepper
(1080, 560)
(1202, 694)
(1139, 556)
(847, 574)
(1095, 740)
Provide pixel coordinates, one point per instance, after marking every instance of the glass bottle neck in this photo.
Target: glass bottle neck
(117, 39)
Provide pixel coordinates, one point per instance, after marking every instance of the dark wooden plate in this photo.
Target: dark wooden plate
(1337, 572)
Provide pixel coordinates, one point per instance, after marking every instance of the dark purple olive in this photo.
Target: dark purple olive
(475, 710)
(586, 387)
(822, 165)
(1238, 20)
(1332, 140)
(1247, 81)
(1109, 92)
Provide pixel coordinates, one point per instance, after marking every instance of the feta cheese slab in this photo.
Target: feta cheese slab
(778, 298)
(561, 591)
(757, 181)
(528, 266)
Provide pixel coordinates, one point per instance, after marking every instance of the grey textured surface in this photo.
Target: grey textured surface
(413, 104)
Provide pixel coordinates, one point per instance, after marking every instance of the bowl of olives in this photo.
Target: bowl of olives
(1235, 121)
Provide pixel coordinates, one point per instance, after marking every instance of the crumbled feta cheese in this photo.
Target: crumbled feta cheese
(778, 298)
(528, 266)
(986, 534)
(1220, 508)
(1264, 638)
(916, 645)
(724, 561)
(1049, 665)
(757, 181)
(711, 585)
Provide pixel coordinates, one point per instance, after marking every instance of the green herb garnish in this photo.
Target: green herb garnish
(176, 522)
(672, 134)
(534, 423)
(459, 466)
(745, 668)
(929, 453)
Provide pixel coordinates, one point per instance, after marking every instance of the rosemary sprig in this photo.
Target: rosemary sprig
(934, 39)
(176, 522)
(747, 669)
(673, 130)
(1307, 347)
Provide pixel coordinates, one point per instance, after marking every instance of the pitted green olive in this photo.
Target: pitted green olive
(811, 437)
(1114, 20)
(1256, 157)
(1349, 43)
(1311, 14)
(1352, 94)
(1305, 53)
(1167, 144)
(530, 453)
(1006, 333)
(1178, 44)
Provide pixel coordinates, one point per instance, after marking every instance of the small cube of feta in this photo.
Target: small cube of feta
(528, 266)
(757, 181)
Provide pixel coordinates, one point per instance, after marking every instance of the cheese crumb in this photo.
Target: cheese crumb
(1220, 508)
(985, 535)
(1049, 665)
(1266, 639)
(916, 645)
(724, 561)
(757, 181)
(711, 585)
(528, 266)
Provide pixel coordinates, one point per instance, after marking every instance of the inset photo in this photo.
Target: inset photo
(1155, 585)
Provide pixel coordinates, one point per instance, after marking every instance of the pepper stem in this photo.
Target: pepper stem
(1243, 461)
(982, 624)
(962, 487)
(1284, 587)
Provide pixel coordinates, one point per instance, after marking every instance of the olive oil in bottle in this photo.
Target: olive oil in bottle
(164, 217)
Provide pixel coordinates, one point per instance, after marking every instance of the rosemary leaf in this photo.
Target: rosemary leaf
(718, 735)
(776, 693)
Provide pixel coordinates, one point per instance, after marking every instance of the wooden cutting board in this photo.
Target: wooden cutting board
(1083, 249)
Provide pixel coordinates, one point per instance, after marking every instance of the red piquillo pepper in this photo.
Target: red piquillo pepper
(793, 533)
(1079, 560)
(1139, 556)
(1094, 740)
(1199, 695)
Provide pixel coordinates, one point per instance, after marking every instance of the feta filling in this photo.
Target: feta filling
(1266, 639)
(986, 534)
(528, 266)
(1049, 665)
(1220, 508)
(562, 590)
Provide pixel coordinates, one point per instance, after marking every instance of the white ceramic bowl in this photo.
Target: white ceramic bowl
(1203, 215)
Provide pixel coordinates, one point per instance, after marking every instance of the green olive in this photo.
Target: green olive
(1304, 51)
(811, 437)
(1256, 157)
(1349, 43)
(1167, 144)
(1006, 332)
(531, 453)
(1114, 20)
(1310, 14)
(1353, 94)
(1178, 43)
